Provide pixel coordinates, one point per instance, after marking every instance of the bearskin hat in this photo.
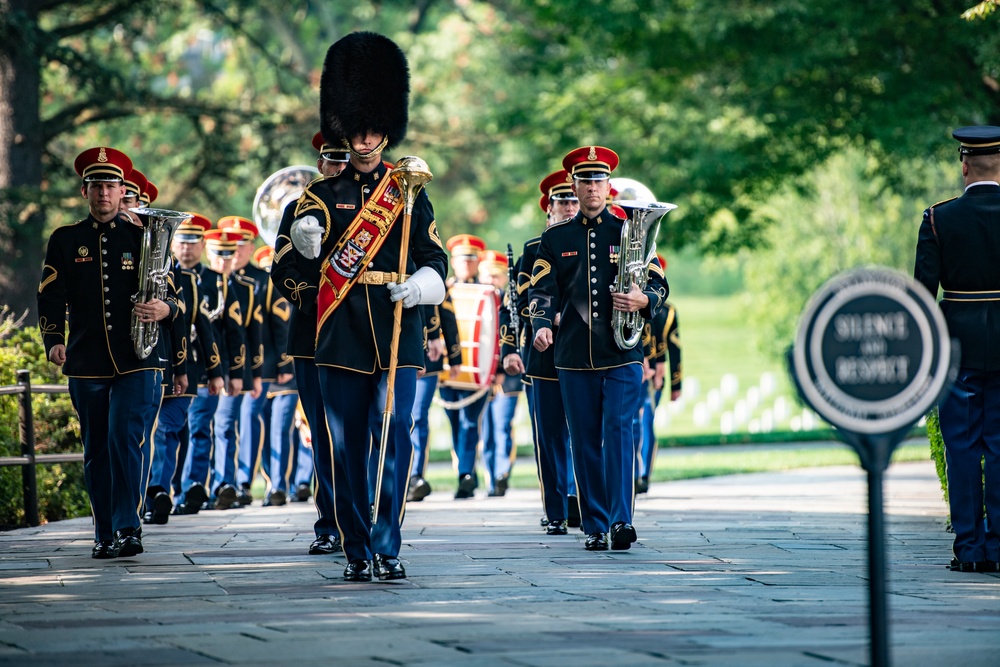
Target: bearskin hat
(365, 86)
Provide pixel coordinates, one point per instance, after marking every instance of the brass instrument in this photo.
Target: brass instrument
(277, 191)
(638, 249)
(411, 175)
(154, 265)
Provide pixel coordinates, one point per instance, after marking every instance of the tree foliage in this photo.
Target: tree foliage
(715, 107)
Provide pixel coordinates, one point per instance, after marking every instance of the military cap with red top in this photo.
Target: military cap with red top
(263, 256)
(102, 164)
(329, 152)
(590, 163)
(149, 193)
(466, 245)
(222, 242)
(493, 263)
(245, 228)
(135, 183)
(978, 139)
(193, 229)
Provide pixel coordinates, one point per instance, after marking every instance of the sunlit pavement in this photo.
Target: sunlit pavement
(763, 569)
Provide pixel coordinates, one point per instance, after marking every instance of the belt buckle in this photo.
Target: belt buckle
(374, 278)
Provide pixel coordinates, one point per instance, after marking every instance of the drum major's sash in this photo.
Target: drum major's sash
(355, 248)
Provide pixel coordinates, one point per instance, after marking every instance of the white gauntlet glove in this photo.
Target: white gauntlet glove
(307, 234)
(423, 287)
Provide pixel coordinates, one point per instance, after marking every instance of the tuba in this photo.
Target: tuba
(279, 190)
(154, 265)
(638, 249)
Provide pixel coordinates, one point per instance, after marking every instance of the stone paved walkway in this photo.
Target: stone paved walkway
(764, 569)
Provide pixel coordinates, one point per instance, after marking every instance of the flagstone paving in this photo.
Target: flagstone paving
(763, 569)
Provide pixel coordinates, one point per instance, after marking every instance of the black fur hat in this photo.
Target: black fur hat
(365, 86)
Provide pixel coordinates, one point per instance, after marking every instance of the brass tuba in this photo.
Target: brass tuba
(638, 249)
(154, 265)
(276, 192)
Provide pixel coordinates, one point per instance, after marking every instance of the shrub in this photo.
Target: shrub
(62, 493)
(937, 449)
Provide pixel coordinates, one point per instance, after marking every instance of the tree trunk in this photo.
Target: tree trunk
(22, 219)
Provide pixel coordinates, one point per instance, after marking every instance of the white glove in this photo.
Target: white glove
(423, 287)
(307, 234)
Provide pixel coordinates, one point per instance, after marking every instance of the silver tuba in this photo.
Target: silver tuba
(279, 190)
(638, 249)
(154, 265)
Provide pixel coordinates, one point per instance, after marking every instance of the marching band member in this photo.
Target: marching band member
(282, 396)
(351, 222)
(667, 343)
(90, 274)
(572, 277)
(441, 334)
(465, 250)
(498, 441)
(296, 278)
(251, 415)
(219, 305)
(552, 440)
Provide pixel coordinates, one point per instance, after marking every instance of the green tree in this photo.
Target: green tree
(841, 215)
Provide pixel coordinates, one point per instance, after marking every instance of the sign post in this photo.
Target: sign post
(871, 357)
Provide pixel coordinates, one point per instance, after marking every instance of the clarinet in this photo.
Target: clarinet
(515, 320)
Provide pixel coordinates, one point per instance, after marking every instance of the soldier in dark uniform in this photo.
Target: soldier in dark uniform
(498, 435)
(958, 248)
(441, 334)
(296, 278)
(90, 274)
(251, 419)
(465, 421)
(226, 425)
(203, 368)
(574, 271)
(552, 441)
(282, 397)
(665, 333)
(364, 94)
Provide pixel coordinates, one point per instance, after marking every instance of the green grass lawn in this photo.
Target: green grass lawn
(706, 463)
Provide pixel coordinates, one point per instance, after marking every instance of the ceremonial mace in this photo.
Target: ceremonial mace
(411, 174)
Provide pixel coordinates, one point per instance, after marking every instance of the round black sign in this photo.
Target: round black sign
(872, 353)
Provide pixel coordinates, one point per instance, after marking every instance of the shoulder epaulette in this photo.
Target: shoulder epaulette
(943, 201)
(533, 241)
(561, 223)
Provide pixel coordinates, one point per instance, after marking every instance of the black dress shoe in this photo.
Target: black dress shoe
(159, 509)
(225, 497)
(358, 570)
(193, 499)
(244, 497)
(466, 486)
(302, 493)
(418, 489)
(127, 543)
(501, 485)
(573, 505)
(275, 499)
(622, 536)
(388, 567)
(324, 545)
(642, 485)
(544, 521)
(987, 566)
(103, 549)
(556, 528)
(961, 566)
(596, 542)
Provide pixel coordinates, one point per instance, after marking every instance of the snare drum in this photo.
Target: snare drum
(477, 310)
